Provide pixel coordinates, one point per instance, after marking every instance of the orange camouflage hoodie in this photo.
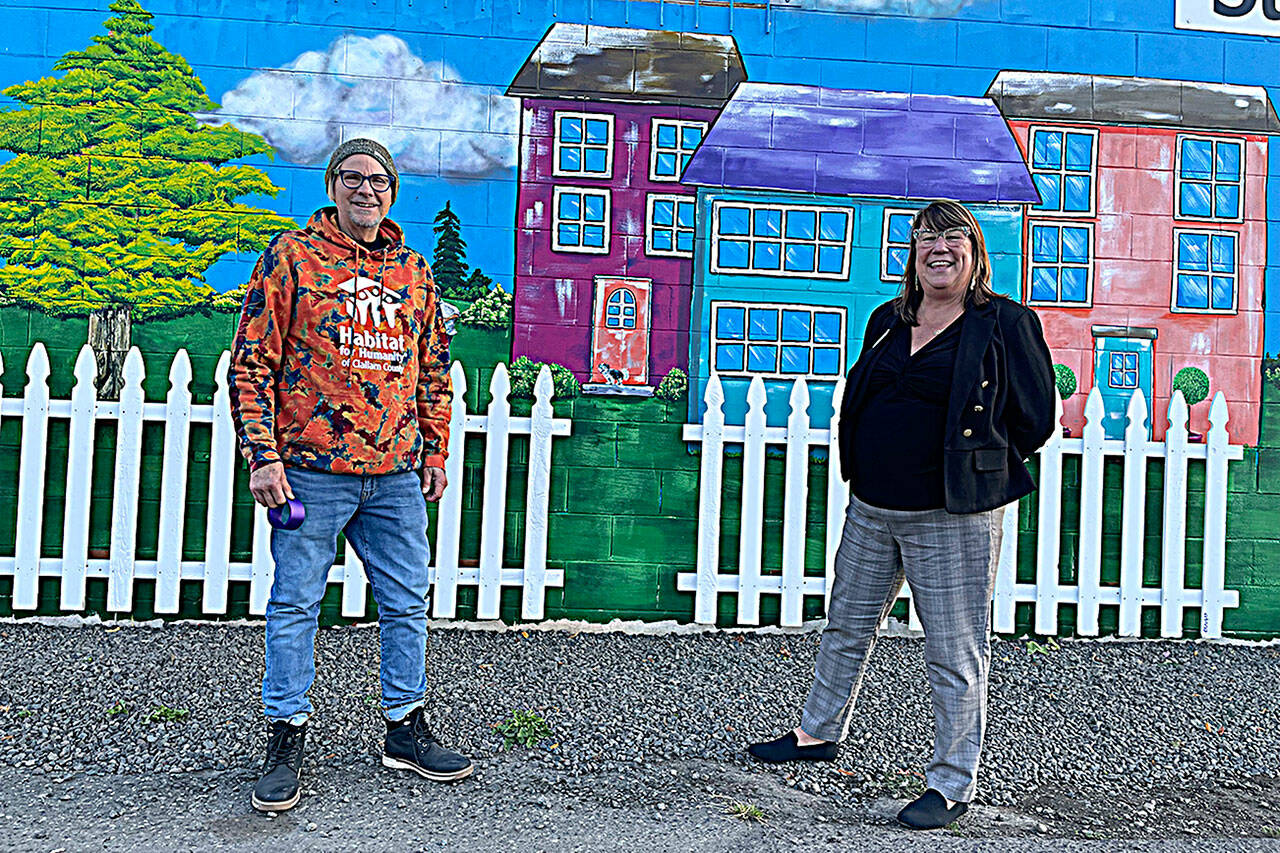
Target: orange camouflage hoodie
(340, 362)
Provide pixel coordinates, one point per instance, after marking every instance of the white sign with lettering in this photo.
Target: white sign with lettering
(1255, 17)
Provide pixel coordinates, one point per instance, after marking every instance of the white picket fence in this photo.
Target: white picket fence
(121, 568)
(1089, 593)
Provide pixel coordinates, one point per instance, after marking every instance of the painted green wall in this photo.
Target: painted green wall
(624, 498)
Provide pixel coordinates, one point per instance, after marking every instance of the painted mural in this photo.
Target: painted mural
(816, 218)
(650, 195)
(117, 198)
(1147, 247)
(610, 120)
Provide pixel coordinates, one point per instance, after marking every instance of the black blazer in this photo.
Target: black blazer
(1001, 408)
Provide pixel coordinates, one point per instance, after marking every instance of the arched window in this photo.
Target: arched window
(620, 310)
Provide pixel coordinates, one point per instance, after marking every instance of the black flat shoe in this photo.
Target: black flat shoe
(929, 811)
(786, 748)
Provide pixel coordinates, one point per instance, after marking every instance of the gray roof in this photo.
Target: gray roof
(847, 142)
(1141, 101)
(584, 61)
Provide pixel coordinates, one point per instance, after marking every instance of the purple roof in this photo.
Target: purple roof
(848, 142)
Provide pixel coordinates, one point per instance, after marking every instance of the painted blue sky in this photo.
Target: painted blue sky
(302, 72)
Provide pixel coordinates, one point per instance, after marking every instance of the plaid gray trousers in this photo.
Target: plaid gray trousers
(950, 562)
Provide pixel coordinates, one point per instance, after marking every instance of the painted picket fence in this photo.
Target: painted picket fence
(121, 568)
(789, 581)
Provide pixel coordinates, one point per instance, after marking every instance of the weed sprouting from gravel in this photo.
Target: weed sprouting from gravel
(118, 708)
(165, 714)
(744, 811)
(1050, 645)
(522, 727)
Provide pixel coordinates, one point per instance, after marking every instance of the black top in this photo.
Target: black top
(897, 440)
(1000, 407)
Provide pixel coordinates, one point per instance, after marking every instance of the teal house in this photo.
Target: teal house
(804, 201)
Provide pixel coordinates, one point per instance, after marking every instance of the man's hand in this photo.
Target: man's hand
(433, 483)
(269, 486)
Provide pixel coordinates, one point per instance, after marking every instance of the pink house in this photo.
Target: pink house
(604, 229)
(1147, 251)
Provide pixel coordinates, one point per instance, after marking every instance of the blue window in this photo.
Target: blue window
(1064, 168)
(1060, 263)
(800, 257)
(827, 328)
(670, 227)
(1205, 272)
(795, 359)
(768, 223)
(778, 340)
(1210, 178)
(895, 243)
(762, 359)
(620, 310)
(580, 221)
(763, 324)
(735, 221)
(831, 260)
(826, 361)
(729, 358)
(801, 224)
(789, 241)
(731, 323)
(1123, 370)
(584, 144)
(832, 225)
(672, 144)
(797, 325)
(766, 256)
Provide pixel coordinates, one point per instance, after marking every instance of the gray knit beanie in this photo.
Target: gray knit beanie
(363, 146)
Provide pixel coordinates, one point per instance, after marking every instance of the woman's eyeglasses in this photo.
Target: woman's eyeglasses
(951, 237)
(352, 181)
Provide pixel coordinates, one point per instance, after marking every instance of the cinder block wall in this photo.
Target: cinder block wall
(624, 490)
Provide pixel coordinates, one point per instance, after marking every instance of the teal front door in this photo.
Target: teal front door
(1121, 365)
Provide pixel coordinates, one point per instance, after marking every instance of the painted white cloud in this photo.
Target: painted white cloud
(922, 8)
(430, 121)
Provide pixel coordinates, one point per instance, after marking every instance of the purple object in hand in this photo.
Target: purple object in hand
(288, 516)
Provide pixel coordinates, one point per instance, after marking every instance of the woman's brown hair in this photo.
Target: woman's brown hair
(939, 216)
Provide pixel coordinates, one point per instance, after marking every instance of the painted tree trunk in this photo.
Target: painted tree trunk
(109, 332)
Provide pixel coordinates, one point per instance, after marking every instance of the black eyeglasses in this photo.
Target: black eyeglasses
(352, 180)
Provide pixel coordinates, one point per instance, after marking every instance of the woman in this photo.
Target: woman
(952, 391)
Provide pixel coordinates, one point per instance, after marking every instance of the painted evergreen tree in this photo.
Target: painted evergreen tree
(449, 259)
(118, 199)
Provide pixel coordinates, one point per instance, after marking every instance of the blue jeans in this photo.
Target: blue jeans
(385, 520)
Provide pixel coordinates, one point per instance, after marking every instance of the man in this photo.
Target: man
(341, 401)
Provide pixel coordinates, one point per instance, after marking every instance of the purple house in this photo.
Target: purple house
(604, 228)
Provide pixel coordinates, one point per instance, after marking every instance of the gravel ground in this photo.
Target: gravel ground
(139, 738)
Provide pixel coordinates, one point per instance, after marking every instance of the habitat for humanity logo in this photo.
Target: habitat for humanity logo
(372, 340)
(1254, 17)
